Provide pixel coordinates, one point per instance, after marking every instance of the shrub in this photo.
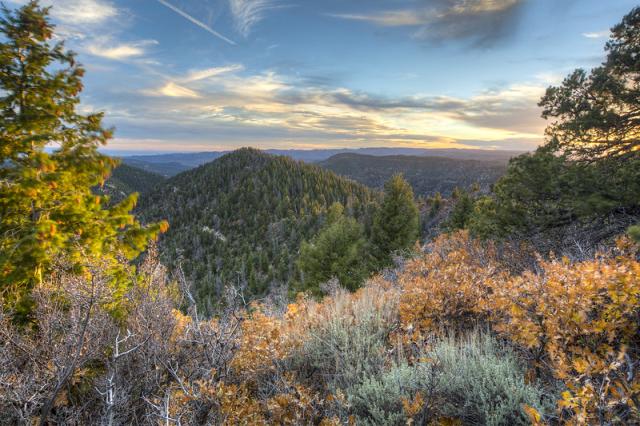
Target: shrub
(444, 289)
(583, 320)
(480, 381)
(345, 336)
(389, 397)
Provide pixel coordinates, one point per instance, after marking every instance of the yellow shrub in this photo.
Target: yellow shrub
(582, 319)
(446, 288)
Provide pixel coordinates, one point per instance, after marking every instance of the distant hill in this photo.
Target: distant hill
(241, 218)
(172, 164)
(165, 169)
(126, 179)
(427, 175)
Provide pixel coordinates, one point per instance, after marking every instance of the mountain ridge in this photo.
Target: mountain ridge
(170, 164)
(241, 219)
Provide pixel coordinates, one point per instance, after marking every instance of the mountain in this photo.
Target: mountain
(427, 175)
(126, 179)
(164, 169)
(174, 163)
(241, 219)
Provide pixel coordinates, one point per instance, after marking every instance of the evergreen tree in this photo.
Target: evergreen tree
(462, 210)
(47, 208)
(597, 112)
(338, 251)
(588, 172)
(396, 223)
(634, 233)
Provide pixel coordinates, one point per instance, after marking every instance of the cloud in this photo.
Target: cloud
(483, 22)
(227, 105)
(173, 90)
(197, 75)
(597, 34)
(78, 11)
(196, 22)
(247, 13)
(392, 18)
(118, 51)
(83, 11)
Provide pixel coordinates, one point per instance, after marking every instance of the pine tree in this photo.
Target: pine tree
(597, 112)
(396, 223)
(338, 251)
(634, 233)
(49, 162)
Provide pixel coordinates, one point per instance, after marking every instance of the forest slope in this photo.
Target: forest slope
(241, 219)
(427, 175)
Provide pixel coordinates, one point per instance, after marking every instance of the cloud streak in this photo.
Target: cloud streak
(247, 13)
(196, 22)
(484, 22)
(597, 34)
(118, 51)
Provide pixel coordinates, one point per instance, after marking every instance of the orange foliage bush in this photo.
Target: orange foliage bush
(445, 288)
(582, 319)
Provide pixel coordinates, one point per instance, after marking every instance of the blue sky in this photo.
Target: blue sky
(195, 75)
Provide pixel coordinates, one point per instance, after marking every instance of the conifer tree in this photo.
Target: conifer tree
(396, 223)
(597, 112)
(338, 251)
(49, 161)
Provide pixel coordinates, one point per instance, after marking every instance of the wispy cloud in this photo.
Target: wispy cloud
(76, 19)
(196, 21)
(482, 21)
(247, 13)
(197, 75)
(173, 90)
(83, 11)
(78, 11)
(118, 51)
(392, 18)
(597, 34)
(228, 104)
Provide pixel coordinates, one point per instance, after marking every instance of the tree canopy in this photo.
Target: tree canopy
(598, 113)
(49, 161)
(337, 251)
(396, 222)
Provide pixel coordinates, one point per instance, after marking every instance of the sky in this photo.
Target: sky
(205, 75)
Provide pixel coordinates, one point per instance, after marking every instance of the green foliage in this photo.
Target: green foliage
(396, 222)
(338, 251)
(46, 204)
(590, 168)
(597, 112)
(543, 191)
(426, 175)
(378, 399)
(126, 180)
(634, 233)
(462, 210)
(347, 340)
(241, 219)
(482, 382)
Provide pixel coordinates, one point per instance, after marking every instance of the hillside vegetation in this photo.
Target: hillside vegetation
(481, 326)
(173, 163)
(427, 175)
(126, 180)
(241, 219)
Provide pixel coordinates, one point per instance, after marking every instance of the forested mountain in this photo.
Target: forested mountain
(163, 168)
(241, 219)
(125, 180)
(173, 163)
(427, 175)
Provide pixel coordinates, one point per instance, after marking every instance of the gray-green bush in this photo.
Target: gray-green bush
(480, 381)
